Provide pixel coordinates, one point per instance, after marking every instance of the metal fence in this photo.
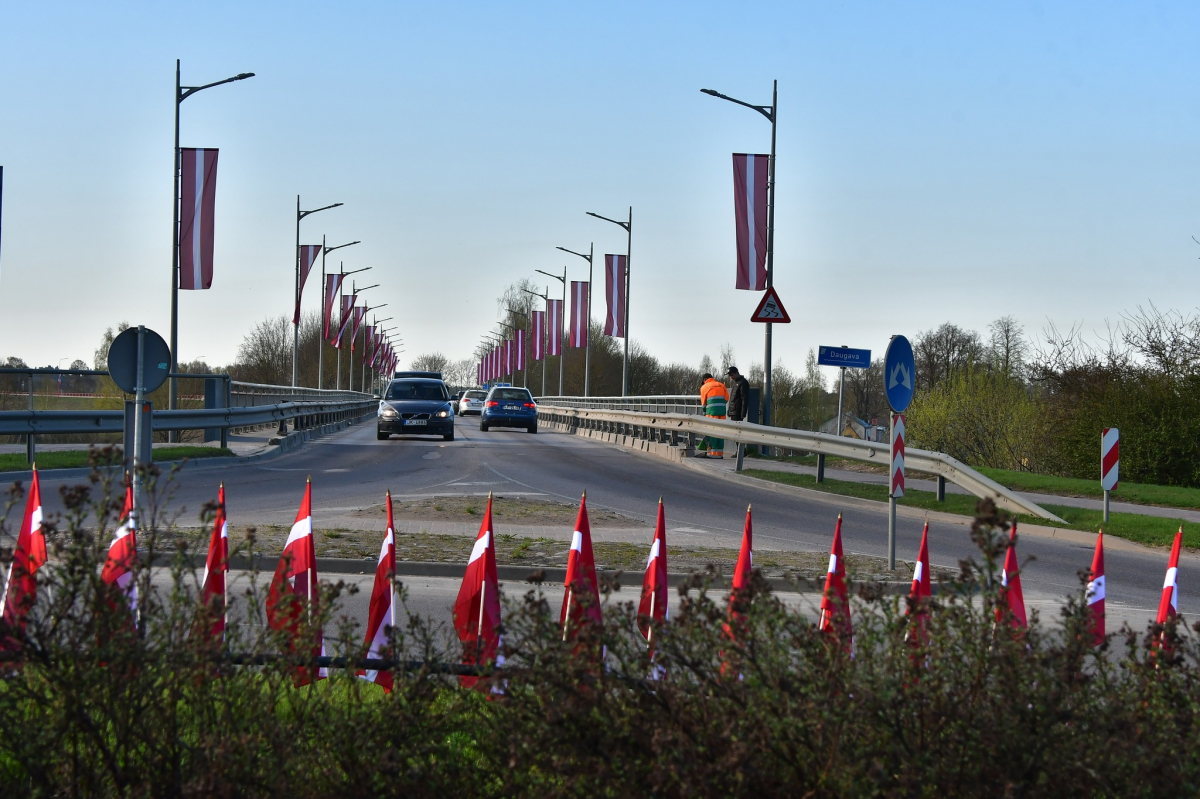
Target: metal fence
(664, 403)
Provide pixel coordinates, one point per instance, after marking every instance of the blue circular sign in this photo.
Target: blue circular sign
(899, 373)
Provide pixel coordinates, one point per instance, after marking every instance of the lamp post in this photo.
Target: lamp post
(587, 352)
(325, 312)
(562, 355)
(378, 338)
(525, 369)
(341, 286)
(628, 267)
(768, 111)
(363, 383)
(181, 94)
(545, 297)
(296, 333)
(353, 335)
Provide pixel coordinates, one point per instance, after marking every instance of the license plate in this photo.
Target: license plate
(512, 407)
(410, 422)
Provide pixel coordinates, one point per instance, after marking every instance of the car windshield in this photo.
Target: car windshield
(416, 390)
(519, 394)
(476, 395)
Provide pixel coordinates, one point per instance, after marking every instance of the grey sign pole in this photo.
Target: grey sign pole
(140, 397)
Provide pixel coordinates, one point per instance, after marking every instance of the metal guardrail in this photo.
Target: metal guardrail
(683, 429)
(663, 403)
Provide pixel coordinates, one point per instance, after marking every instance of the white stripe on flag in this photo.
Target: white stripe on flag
(832, 563)
(1095, 590)
(1171, 576)
(198, 222)
(577, 541)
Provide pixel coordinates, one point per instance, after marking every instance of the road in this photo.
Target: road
(352, 470)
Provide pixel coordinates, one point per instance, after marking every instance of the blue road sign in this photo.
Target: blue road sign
(899, 373)
(844, 356)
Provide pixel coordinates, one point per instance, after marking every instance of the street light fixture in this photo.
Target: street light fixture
(325, 250)
(587, 352)
(628, 267)
(562, 355)
(771, 113)
(181, 94)
(296, 333)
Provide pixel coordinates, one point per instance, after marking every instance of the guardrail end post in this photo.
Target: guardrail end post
(941, 488)
(820, 467)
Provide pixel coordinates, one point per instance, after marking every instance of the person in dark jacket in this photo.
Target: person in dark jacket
(739, 394)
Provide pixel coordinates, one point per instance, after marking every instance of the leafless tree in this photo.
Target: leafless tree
(944, 350)
(1008, 347)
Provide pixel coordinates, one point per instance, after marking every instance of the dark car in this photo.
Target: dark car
(416, 406)
(508, 407)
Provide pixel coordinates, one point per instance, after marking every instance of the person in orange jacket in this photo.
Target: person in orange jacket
(714, 399)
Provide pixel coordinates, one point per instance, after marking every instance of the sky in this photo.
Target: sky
(936, 162)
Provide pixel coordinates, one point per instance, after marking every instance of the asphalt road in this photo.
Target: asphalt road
(352, 470)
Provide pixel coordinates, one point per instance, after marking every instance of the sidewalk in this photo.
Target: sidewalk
(729, 464)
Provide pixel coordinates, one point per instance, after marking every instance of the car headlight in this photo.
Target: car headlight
(389, 413)
(443, 413)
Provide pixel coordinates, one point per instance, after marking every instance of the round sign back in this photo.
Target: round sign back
(123, 358)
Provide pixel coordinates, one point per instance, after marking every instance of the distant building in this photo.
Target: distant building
(853, 427)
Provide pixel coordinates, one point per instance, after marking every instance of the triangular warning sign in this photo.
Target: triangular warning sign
(771, 309)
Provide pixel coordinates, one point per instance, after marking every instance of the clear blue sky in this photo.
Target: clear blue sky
(937, 162)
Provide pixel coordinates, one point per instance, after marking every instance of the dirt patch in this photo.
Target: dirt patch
(518, 510)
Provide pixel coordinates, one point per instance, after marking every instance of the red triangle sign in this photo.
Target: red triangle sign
(771, 309)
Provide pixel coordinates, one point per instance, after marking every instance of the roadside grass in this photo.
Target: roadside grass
(75, 458)
(1150, 530)
(1135, 493)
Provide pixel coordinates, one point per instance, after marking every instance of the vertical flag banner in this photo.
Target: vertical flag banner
(581, 582)
(1095, 593)
(614, 294)
(197, 204)
(356, 317)
(348, 301)
(308, 256)
(477, 609)
(579, 313)
(835, 602)
(554, 326)
(538, 334)
(293, 593)
(519, 352)
(122, 552)
(653, 607)
(333, 284)
(1011, 594)
(216, 567)
(750, 210)
(382, 612)
(29, 555)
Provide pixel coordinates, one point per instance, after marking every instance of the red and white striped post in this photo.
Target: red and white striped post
(896, 484)
(1110, 462)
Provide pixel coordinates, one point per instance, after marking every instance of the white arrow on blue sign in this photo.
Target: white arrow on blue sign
(844, 356)
(899, 373)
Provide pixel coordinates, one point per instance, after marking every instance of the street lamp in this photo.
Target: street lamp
(628, 266)
(325, 311)
(768, 111)
(353, 335)
(525, 369)
(296, 333)
(363, 382)
(545, 297)
(562, 354)
(181, 94)
(587, 353)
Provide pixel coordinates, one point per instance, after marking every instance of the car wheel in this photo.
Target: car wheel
(382, 436)
(532, 428)
(483, 427)
(448, 436)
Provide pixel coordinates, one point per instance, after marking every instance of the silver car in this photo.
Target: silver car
(471, 402)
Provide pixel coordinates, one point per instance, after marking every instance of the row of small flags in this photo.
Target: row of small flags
(477, 610)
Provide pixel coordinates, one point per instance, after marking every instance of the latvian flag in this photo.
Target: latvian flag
(580, 318)
(750, 208)
(538, 334)
(554, 326)
(614, 293)
(308, 257)
(197, 203)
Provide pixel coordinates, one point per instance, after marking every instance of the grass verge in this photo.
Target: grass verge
(1151, 530)
(75, 458)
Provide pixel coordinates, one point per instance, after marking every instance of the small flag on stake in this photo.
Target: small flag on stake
(216, 567)
(1011, 595)
(835, 602)
(381, 615)
(1095, 593)
(477, 609)
(582, 601)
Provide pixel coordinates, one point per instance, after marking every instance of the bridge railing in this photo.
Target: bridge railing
(683, 429)
(664, 403)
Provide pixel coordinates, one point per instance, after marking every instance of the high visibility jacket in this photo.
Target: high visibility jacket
(714, 398)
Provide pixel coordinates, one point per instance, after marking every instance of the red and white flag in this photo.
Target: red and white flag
(477, 609)
(122, 552)
(582, 601)
(652, 610)
(293, 596)
(369, 345)
(519, 351)
(1011, 595)
(333, 284)
(308, 256)
(835, 602)
(356, 317)
(580, 318)
(348, 301)
(1168, 606)
(538, 334)
(741, 572)
(614, 294)
(382, 613)
(922, 588)
(216, 567)
(197, 204)
(1095, 593)
(554, 326)
(20, 585)
(506, 350)
(750, 174)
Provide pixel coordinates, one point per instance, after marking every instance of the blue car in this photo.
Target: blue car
(415, 406)
(508, 407)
